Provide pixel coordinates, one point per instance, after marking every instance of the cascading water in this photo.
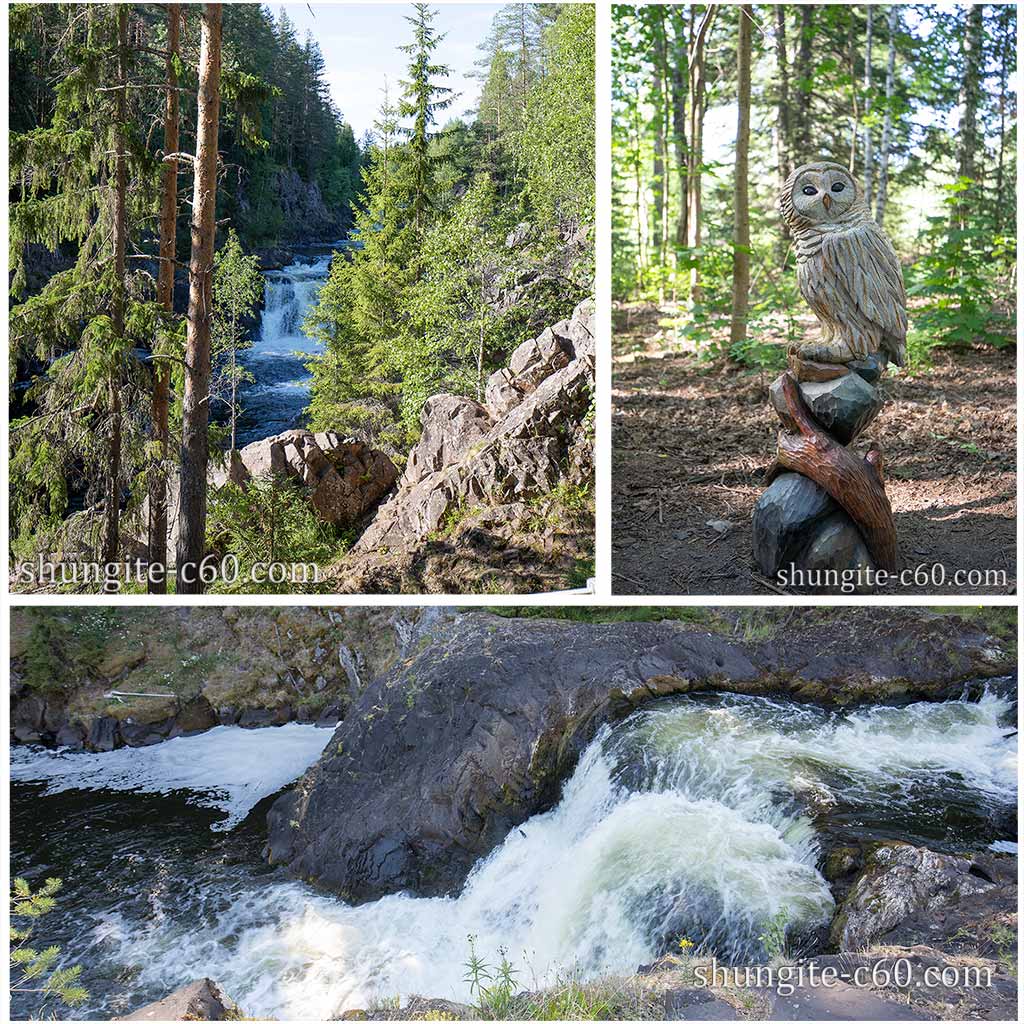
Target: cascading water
(280, 391)
(698, 816)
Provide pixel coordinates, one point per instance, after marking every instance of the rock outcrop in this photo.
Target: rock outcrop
(252, 667)
(904, 894)
(519, 446)
(434, 764)
(202, 1000)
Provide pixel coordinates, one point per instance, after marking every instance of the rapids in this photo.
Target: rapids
(702, 817)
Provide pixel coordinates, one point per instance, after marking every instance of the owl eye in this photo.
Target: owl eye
(810, 190)
(838, 187)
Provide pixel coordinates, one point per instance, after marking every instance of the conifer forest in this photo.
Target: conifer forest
(714, 106)
(235, 319)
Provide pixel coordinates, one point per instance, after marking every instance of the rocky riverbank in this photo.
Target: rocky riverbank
(184, 670)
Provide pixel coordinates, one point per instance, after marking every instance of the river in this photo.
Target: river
(702, 816)
(276, 398)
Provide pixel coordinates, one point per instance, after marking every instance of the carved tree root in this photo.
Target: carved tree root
(854, 482)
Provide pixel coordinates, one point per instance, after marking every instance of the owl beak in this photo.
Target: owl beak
(826, 200)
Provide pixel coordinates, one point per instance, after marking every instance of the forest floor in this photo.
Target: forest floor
(692, 438)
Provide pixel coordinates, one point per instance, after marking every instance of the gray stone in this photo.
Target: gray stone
(870, 367)
(844, 407)
(202, 1000)
(899, 881)
(71, 736)
(785, 516)
(144, 734)
(696, 1004)
(837, 544)
(104, 733)
(450, 426)
(196, 716)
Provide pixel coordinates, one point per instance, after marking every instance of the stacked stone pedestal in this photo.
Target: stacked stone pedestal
(798, 524)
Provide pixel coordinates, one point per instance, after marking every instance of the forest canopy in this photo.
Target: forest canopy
(917, 100)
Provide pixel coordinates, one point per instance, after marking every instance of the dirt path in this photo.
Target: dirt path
(692, 440)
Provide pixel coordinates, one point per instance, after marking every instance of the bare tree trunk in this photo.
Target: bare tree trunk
(698, 82)
(869, 175)
(195, 451)
(1005, 20)
(855, 106)
(890, 78)
(741, 206)
(679, 93)
(784, 131)
(784, 154)
(804, 76)
(112, 512)
(660, 145)
(165, 296)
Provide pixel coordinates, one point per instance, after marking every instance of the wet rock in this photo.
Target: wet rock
(202, 1000)
(72, 736)
(227, 715)
(785, 515)
(836, 544)
(844, 407)
(841, 1001)
(899, 881)
(104, 734)
(144, 734)
(450, 426)
(329, 717)
(28, 718)
(195, 716)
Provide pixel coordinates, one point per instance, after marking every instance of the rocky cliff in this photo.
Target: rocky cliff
(495, 496)
(435, 763)
(206, 666)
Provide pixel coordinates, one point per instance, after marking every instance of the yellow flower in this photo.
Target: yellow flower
(685, 944)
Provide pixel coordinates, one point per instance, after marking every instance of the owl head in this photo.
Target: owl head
(819, 194)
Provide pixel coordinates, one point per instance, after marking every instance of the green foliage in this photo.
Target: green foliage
(415, 307)
(267, 523)
(237, 289)
(493, 987)
(39, 971)
(62, 645)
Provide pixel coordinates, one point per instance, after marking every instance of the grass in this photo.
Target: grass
(579, 613)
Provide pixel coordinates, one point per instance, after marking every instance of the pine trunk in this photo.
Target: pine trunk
(970, 90)
(112, 512)
(784, 130)
(195, 411)
(679, 94)
(741, 208)
(869, 169)
(696, 156)
(165, 296)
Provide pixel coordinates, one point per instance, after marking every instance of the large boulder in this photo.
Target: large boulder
(438, 759)
(202, 1000)
(898, 882)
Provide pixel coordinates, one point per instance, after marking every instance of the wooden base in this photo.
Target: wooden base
(856, 483)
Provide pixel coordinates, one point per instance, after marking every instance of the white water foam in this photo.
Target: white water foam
(288, 295)
(682, 820)
(227, 767)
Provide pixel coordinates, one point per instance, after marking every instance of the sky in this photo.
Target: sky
(360, 47)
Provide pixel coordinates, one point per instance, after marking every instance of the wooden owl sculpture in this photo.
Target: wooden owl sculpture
(847, 268)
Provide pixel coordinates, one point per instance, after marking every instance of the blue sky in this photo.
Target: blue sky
(360, 47)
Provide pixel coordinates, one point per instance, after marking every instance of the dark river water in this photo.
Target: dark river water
(702, 816)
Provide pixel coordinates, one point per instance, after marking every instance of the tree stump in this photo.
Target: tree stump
(825, 506)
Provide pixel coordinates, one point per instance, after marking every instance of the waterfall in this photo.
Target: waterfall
(280, 391)
(700, 817)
